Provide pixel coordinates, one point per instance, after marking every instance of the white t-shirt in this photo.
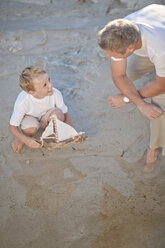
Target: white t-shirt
(26, 104)
(151, 23)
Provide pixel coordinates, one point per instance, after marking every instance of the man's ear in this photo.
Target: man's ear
(131, 48)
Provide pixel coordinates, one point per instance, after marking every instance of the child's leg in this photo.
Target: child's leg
(29, 126)
(46, 117)
(58, 113)
(17, 145)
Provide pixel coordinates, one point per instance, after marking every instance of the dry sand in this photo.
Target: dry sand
(92, 195)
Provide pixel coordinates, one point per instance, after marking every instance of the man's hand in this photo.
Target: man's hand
(151, 111)
(116, 101)
(32, 143)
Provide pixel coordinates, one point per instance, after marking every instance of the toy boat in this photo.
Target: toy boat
(59, 134)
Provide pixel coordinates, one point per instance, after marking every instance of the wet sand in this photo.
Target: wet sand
(92, 195)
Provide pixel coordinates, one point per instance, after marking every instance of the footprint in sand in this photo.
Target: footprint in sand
(2, 159)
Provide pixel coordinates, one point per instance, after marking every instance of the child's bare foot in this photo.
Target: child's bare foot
(152, 155)
(17, 146)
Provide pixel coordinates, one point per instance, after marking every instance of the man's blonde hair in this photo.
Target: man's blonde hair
(26, 80)
(117, 35)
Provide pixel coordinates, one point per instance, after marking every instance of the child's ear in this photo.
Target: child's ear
(32, 92)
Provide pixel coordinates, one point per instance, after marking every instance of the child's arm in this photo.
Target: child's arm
(68, 119)
(22, 137)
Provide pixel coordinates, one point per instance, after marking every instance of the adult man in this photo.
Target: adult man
(141, 35)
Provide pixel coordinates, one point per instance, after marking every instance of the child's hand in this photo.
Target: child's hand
(32, 143)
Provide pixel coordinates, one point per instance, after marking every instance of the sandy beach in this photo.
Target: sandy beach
(92, 195)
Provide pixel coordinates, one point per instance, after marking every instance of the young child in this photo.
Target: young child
(34, 106)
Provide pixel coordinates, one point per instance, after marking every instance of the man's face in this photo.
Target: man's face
(43, 86)
(117, 55)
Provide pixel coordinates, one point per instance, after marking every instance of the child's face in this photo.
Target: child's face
(43, 86)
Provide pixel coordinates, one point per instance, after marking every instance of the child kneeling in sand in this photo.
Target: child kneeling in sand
(34, 106)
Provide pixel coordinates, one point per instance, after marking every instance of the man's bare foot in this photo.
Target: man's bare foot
(152, 155)
(17, 146)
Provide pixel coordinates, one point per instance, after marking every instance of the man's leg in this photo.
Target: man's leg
(138, 66)
(157, 136)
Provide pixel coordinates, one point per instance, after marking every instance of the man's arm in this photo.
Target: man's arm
(154, 88)
(122, 82)
(126, 87)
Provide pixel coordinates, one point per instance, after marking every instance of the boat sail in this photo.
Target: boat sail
(59, 131)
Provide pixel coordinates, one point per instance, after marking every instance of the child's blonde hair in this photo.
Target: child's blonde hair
(26, 80)
(117, 35)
